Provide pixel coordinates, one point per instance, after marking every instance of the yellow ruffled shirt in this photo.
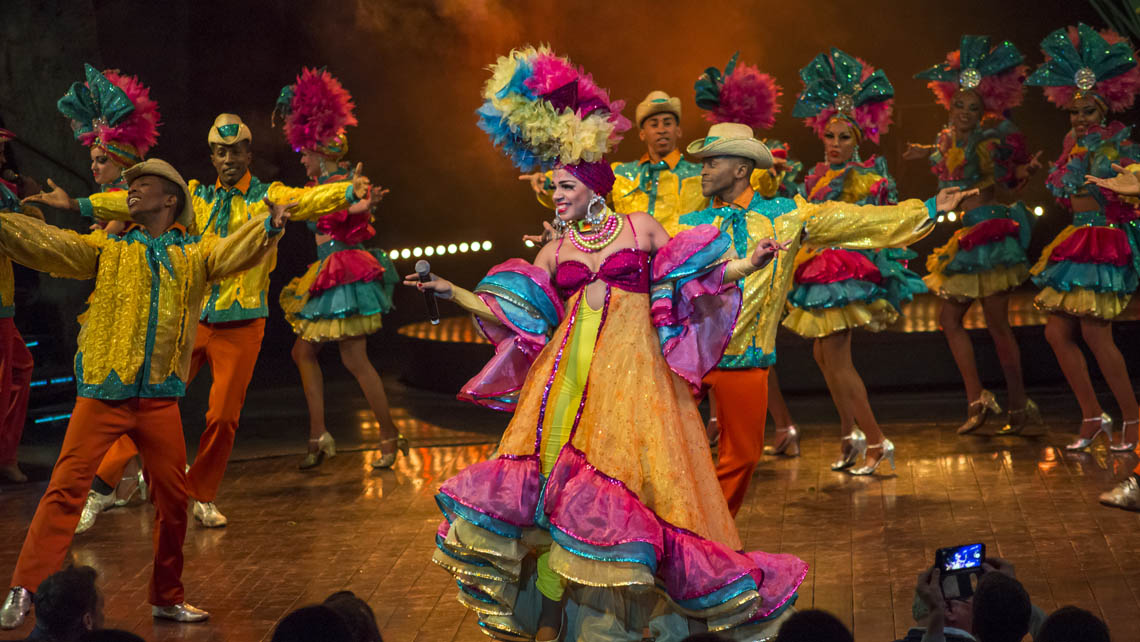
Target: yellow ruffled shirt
(221, 212)
(794, 221)
(138, 335)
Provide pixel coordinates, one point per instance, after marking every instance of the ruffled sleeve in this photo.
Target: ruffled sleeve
(523, 301)
(693, 310)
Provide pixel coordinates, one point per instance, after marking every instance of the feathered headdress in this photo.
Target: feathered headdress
(1079, 61)
(839, 85)
(995, 73)
(112, 111)
(742, 94)
(316, 110)
(541, 110)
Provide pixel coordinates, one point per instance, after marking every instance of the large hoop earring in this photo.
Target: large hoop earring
(594, 219)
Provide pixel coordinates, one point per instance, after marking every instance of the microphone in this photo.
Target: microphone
(423, 271)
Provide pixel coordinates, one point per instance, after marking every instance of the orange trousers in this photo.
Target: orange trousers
(231, 350)
(156, 426)
(15, 387)
(741, 410)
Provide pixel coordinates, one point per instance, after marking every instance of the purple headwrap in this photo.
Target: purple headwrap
(598, 176)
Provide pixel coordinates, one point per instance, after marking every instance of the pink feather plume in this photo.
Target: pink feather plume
(747, 96)
(321, 109)
(873, 118)
(999, 92)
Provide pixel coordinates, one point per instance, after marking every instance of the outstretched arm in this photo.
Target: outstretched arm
(64, 253)
(870, 227)
(316, 201)
(249, 245)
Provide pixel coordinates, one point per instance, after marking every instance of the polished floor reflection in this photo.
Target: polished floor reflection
(295, 537)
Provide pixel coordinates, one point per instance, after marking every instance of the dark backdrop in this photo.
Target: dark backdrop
(416, 67)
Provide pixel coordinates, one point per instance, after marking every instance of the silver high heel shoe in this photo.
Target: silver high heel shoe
(325, 444)
(387, 459)
(1105, 427)
(789, 445)
(888, 454)
(140, 488)
(855, 448)
(1125, 445)
(979, 410)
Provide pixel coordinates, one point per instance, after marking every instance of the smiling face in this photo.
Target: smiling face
(104, 170)
(839, 142)
(660, 133)
(311, 161)
(571, 196)
(148, 196)
(966, 111)
(231, 161)
(1084, 112)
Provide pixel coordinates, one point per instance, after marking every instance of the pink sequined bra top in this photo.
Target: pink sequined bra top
(627, 269)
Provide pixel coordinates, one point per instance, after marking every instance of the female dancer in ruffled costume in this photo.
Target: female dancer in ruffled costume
(602, 505)
(342, 295)
(744, 94)
(985, 260)
(1089, 272)
(846, 101)
(113, 115)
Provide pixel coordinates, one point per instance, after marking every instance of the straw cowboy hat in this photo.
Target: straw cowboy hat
(731, 139)
(658, 102)
(158, 167)
(228, 129)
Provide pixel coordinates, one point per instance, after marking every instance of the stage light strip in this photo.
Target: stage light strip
(439, 250)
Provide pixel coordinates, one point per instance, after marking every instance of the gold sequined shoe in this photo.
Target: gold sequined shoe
(387, 459)
(789, 444)
(16, 608)
(980, 409)
(1126, 495)
(318, 449)
(1026, 422)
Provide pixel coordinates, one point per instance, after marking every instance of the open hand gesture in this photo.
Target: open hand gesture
(1124, 183)
(914, 151)
(548, 234)
(279, 213)
(537, 181)
(56, 198)
(360, 182)
(766, 250)
(951, 197)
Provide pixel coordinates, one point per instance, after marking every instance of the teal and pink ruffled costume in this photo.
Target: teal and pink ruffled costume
(987, 255)
(1091, 268)
(837, 289)
(344, 293)
(605, 470)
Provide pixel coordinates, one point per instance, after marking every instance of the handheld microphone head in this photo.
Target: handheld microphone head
(423, 270)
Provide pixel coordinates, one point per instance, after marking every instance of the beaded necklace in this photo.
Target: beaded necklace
(595, 240)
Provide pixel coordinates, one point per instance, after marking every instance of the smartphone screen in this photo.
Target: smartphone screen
(961, 558)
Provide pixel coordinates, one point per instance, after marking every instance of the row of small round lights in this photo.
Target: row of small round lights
(439, 250)
(951, 216)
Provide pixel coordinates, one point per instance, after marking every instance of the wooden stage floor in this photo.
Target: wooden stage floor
(295, 537)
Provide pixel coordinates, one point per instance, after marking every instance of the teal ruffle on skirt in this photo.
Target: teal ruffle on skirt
(1098, 277)
(1006, 252)
(814, 296)
(361, 298)
(900, 283)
